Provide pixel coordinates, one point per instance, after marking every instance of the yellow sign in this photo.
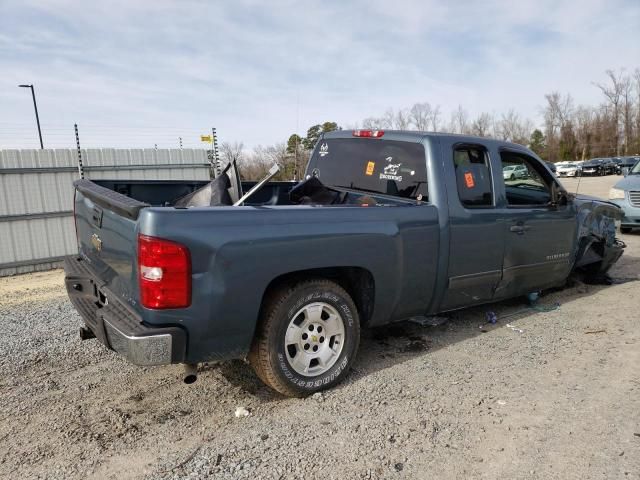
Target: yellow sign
(370, 167)
(206, 138)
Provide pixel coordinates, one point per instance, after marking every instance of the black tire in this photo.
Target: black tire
(625, 229)
(269, 356)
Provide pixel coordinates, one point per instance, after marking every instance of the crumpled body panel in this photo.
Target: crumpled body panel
(597, 242)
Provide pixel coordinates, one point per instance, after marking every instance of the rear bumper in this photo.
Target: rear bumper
(116, 324)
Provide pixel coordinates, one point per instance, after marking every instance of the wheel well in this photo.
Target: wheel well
(357, 281)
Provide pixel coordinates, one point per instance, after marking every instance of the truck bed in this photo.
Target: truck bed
(397, 245)
(160, 193)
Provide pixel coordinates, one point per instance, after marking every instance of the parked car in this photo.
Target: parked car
(627, 163)
(596, 166)
(626, 194)
(568, 169)
(617, 164)
(387, 226)
(609, 166)
(552, 167)
(513, 172)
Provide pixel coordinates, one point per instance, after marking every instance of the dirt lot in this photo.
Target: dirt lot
(552, 394)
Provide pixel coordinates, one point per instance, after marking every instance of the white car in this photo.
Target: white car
(511, 172)
(567, 169)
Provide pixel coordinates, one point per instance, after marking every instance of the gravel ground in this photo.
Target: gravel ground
(538, 395)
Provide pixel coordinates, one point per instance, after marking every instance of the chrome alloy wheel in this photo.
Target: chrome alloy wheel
(314, 339)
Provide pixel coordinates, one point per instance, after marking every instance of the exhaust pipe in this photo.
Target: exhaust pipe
(190, 374)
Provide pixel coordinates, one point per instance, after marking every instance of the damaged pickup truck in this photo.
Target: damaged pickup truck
(386, 227)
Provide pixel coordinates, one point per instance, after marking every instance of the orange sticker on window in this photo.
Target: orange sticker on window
(370, 167)
(468, 180)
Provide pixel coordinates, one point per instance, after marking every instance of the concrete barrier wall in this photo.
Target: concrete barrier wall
(36, 195)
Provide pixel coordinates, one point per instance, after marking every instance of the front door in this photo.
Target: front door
(539, 236)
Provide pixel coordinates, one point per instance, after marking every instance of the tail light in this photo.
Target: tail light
(164, 273)
(368, 133)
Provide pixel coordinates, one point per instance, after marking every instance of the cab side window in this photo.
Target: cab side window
(526, 182)
(473, 176)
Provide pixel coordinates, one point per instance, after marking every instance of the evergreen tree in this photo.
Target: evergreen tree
(537, 143)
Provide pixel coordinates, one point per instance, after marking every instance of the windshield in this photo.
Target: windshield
(510, 167)
(377, 166)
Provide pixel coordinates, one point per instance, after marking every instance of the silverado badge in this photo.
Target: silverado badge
(96, 242)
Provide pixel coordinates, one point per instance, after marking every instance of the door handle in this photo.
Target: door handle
(519, 229)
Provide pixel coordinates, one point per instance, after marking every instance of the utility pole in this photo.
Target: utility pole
(35, 106)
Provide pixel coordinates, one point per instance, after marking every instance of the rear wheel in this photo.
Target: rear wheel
(307, 338)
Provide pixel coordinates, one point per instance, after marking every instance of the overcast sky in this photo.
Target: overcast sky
(139, 72)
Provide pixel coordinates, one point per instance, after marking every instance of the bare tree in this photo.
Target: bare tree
(613, 93)
(419, 116)
(558, 110)
(627, 111)
(636, 81)
(388, 118)
(434, 118)
(514, 129)
(402, 121)
(584, 120)
(231, 151)
(556, 115)
(482, 125)
(255, 165)
(373, 123)
(399, 120)
(459, 121)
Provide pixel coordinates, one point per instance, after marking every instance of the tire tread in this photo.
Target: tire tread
(259, 356)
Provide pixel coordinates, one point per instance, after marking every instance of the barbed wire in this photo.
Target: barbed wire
(92, 135)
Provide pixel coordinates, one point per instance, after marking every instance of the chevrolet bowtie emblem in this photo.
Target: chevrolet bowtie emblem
(96, 242)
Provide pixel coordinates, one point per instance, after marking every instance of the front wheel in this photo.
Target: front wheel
(307, 338)
(625, 229)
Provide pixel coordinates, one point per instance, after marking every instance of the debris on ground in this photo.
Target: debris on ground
(515, 329)
(242, 412)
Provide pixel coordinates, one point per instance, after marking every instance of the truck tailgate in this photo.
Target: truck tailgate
(107, 232)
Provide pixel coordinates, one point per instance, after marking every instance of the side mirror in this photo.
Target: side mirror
(563, 198)
(559, 197)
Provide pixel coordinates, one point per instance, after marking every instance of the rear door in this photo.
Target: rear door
(476, 229)
(539, 237)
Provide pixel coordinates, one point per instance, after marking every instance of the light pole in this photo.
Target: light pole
(35, 106)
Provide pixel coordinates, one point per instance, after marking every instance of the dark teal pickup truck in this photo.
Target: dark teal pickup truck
(387, 226)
